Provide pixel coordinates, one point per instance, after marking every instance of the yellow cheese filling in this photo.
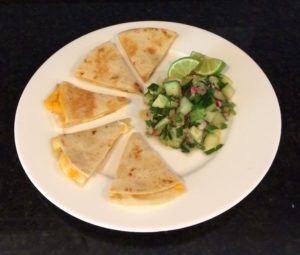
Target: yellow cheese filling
(54, 103)
(178, 187)
(65, 166)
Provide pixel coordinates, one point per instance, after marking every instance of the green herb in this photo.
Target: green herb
(210, 128)
(179, 132)
(223, 126)
(154, 110)
(149, 123)
(153, 89)
(208, 152)
(184, 148)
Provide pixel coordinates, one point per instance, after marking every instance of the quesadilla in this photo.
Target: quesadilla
(81, 153)
(104, 66)
(73, 105)
(146, 47)
(142, 177)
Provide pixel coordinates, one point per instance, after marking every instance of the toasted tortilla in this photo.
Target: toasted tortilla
(104, 66)
(146, 47)
(142, 177)
(73, 105)
(81, 153)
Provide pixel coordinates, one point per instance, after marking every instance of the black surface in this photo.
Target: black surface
(266, 222)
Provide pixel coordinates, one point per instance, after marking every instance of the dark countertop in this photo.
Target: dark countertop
(265, 222)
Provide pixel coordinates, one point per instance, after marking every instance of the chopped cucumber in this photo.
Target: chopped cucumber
(162, 123)
(228, 91)
(173, 104)
(218, 119)
(148, 97)
(161, 101)
(197, 115)
(225, 79)
(196, 134)
(175, 140)
(173, 88)
(179, 119)
(214, 80)
(188, 112)
(210, 116)
(185, 106)
(219, 95)
(212, 140)
(154, 89)
(211, 108)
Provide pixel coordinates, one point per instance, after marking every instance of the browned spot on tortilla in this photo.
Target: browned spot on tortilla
(167, 181)
(145, 77)
(115, 77)
(136, 151)
(129, 46)
(157, 42)
(94, 132)
(150, 29)
(166, 34)
(122, 99)
(151, 50)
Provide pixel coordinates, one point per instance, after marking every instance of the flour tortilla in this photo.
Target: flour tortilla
(142, 177)
(146, 47)
(104, 66)
(86, 150)
(80, 105)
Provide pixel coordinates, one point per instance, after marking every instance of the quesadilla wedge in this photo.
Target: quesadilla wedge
(142, 177)
(81, 153)
(105, 67)
(73, 105)
(146, 47)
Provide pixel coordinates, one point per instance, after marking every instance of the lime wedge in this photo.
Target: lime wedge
(182, 67)
(210, 66)
(197, 55)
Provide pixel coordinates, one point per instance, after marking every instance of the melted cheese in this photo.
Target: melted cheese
(53, 103)
(65, 165)
(125, 127)
(179, 187)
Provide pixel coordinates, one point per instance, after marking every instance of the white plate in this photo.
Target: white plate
(213, 186)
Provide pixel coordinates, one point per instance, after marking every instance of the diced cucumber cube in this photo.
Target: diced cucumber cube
(173, 104)
(179, 119)
(196, 134)
(211, 108)
(228, 91)
(154, 89)
(219, 95)
(213, 79)
(162, 123)
(175, 140)
(173, 88)
(225, 79)
(212, 140)
(148, 97)
(197, 115)
(161, 101)
(218, 120)
(185, 106)
(210, 116)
